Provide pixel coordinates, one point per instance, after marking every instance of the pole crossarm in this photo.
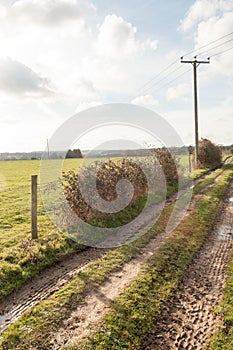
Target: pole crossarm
(194, 61)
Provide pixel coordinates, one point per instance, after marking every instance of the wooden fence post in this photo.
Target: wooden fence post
(34, 207)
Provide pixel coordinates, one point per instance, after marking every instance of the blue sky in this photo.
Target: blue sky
(60, 57)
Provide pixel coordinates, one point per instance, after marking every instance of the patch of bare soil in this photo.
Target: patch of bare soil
(190, 318)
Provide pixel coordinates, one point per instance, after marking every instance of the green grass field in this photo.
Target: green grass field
(15, 200)
(20, 257)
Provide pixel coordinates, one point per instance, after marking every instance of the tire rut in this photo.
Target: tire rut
(189, 319)
(45, 284)
(97, 302)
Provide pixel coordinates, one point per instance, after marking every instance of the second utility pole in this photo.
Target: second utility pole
(195, 64)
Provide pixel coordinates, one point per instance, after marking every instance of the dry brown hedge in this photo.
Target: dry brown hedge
(210, 155)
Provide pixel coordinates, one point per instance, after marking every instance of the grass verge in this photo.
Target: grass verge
(223, 339)
(29, 257)
(209, 180)
(200, 172)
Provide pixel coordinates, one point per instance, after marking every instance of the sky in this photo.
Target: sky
(59, 57)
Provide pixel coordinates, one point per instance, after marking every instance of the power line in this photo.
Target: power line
(146, 87)
(215, 47)
(159, 81)
(171, 81)
(211, 42)
(157, 75)
(221, 52)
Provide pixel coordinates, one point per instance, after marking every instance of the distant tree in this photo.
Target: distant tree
(75, 153)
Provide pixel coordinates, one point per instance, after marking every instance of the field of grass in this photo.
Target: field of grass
(20, 257)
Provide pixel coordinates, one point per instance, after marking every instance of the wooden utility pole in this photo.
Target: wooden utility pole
(34, 207)
(195, 64)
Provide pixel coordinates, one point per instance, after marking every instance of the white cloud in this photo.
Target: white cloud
(150, 44)
(211, 20)
(204, 9)
(75, 51)
(56, 51)
(116, 37)
(86, 90)
(145, 100)
(19, 79)
(45, 12)
(59, 42)
(86, 105)
(213, 29)
(3, 12)
(10, 121)
(178, 92)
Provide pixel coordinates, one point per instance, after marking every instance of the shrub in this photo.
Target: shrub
(106, 176)
(168, 164)
(210, 155)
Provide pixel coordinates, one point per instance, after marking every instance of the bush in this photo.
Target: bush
(107, 176)
(210, 155)
(168, 164)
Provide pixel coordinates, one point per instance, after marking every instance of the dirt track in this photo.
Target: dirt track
(98, 301)
(189, 318)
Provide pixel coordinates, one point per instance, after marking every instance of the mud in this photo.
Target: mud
(189, 319)
(44, 284)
